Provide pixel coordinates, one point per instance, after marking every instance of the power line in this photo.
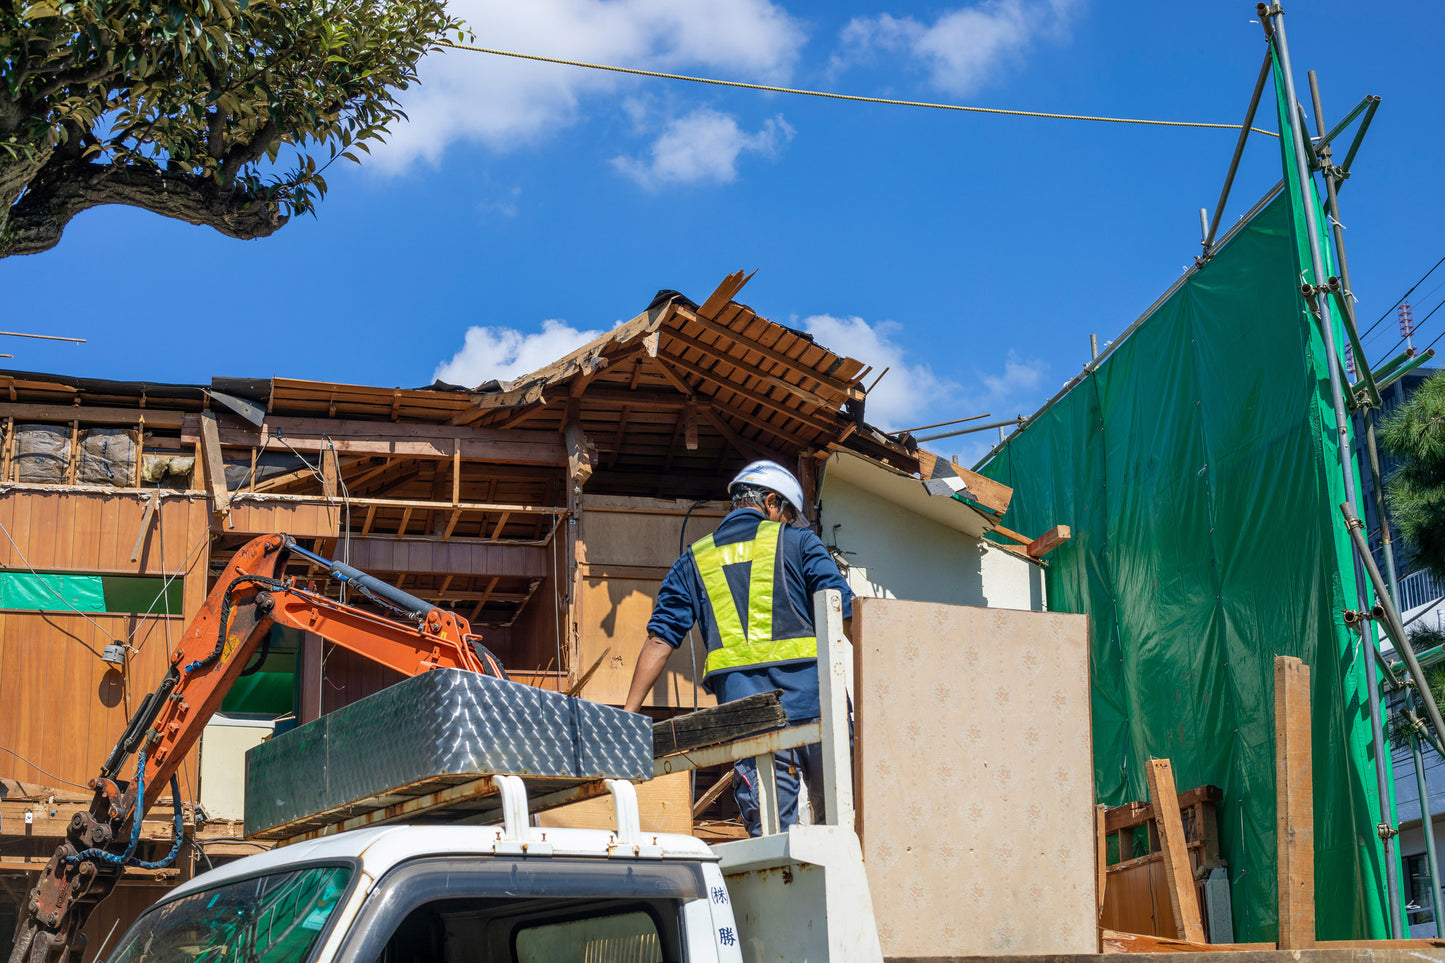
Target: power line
(828, 95)
(38, 769)
(1402, 298)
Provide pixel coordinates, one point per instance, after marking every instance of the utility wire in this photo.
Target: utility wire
(38, 769)
(828, 95)
(1402, 298)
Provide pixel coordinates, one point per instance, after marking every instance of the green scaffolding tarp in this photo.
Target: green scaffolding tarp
(1198, 471)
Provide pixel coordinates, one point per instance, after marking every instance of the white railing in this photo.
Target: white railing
(1420, 587)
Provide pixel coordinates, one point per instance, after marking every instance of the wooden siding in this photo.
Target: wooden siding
(64, 708)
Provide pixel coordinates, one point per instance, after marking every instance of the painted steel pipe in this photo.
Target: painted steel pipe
(1394, 624)
(1208, 241)
(1427, 823)
(1360, 135)
(1365, 101)
(1305, 186)
(1385, 370)
(968, 431)
(1406, 368)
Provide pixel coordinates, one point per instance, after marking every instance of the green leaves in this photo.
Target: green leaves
(223, 90)
(1415, 434)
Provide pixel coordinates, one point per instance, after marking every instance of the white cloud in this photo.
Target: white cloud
(964, 48)
(507, 353)
(702, 146)
(503, 103)
(912, 393)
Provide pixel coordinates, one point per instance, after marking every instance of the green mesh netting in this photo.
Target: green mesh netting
(1198, 470)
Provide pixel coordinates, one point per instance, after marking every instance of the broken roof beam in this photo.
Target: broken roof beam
(724, 292)
(781, 407)
(849, 389)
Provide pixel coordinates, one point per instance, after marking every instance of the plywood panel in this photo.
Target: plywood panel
(627, 546)
(664, 805)
(63, 706)
(975, 782)
(612, 616)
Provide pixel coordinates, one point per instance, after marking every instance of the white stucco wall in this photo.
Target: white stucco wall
(892, 552)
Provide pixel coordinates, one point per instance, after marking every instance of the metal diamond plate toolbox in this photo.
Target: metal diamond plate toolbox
(612, 742)
(286, 776)
(446, 723)
(437, 729)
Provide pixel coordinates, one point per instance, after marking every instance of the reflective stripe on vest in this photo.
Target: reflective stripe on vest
(753, 645)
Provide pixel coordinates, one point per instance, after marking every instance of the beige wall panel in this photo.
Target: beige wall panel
(664, 805)
(975, 778)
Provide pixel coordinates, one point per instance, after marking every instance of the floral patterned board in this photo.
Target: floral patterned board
(975, 780)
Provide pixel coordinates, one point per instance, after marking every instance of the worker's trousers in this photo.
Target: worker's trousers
(803, 764)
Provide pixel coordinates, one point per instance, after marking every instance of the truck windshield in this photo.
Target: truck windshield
(276, 918)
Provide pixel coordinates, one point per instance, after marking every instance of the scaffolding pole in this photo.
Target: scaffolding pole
(1432, 863)
(1273, 19)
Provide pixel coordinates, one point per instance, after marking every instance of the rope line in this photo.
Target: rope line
(829, 95)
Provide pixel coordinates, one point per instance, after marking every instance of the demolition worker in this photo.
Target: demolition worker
(750, 586)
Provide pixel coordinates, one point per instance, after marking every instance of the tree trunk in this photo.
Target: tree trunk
(41, 195)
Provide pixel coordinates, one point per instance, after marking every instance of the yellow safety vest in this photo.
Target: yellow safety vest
(747, 643)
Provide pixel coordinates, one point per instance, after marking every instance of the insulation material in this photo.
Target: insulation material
(42, 454)
(107, 457)
(167, 471)
(974, 791)
(1197, 468)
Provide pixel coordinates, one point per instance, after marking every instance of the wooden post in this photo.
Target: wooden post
(140, 442)
(70, 471)
(1294, 804)
(145, 526)
(1165, 798)
(330, 471)
(215, 468)
(311, 669)
(1101, 856)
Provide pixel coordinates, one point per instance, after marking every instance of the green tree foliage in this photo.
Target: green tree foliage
(1415, 493)
(211, 111)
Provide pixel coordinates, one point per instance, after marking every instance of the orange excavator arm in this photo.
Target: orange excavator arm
(251, 596)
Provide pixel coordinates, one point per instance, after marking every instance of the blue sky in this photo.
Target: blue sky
(528, 204)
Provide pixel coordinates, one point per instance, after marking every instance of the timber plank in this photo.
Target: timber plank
(720, 723)
(1175, 847)
(1294, 804)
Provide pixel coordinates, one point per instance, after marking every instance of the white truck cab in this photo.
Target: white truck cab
(451, 894)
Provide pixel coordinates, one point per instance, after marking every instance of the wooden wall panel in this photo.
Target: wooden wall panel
(61, 706)
(627, 546)
(972, 734)
(301, 520)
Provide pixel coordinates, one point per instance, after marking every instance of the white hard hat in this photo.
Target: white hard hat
(773, 477)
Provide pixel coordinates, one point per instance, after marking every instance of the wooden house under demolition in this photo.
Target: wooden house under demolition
(545, 510)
